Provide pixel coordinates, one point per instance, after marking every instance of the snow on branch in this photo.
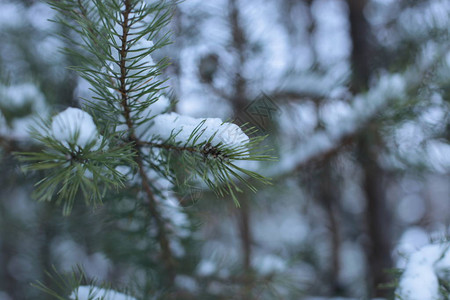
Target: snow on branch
(74, 127)
(19, 104)
(87, 292)
(389, 90)
(77, 158)
(208, 149)
(212, 130)
(364, 108)
(425, 268)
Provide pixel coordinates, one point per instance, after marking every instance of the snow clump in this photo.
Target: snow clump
(228, 134)
(425, 267)
(87, 292)
(74, 127)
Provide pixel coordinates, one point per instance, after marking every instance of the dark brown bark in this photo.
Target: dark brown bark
(378, 250)
(246, 236)
(8, 283)
(329, 198)
(378, 216)
(361, 51)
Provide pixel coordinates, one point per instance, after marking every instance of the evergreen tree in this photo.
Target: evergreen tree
(355, 101)
(122, 146)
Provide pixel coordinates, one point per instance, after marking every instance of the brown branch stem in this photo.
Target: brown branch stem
(169, 147)
(166, 252)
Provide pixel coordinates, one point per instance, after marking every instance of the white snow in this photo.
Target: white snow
(442, 266)
(206, 268)
(39, 14)
(389, 88)
(86, 292)
(140, 48)
(18, 97)
(11, 14)
(268, 264)
(417, 21)
(313, 84)
(352, 260)
(337, 298)
(438, 155)
(136, 63)
(174, 212)
(97, 265)
(331, 30)
(4, 296)
(281, 226)
(412, 239)
(171, 208)
(154, 109)
(228, 134)
(22, 94)
(177, 222)
(48, 50)
(3, 126)
(420, 278)
(411, 208)
(161, 105)
(187, 283)
(74, 126)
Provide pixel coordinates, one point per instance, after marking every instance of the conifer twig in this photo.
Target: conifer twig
(163, 240)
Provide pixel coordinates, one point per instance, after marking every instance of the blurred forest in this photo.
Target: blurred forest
(354, 96)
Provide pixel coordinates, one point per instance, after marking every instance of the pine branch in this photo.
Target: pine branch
(152, 205)
(169, 146)
(84, 150)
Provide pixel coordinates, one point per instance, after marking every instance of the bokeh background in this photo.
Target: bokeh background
(354, 96)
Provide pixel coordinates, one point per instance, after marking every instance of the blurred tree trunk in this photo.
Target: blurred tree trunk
(377, 215)
(361, 51)
(10, 237)
(379, 249)
(239, 103)
(8, 283)
(245, 234)
(329, 199)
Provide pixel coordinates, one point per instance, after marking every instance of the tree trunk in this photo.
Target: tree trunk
(329, 198)
(377, 215)
(379, 248)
